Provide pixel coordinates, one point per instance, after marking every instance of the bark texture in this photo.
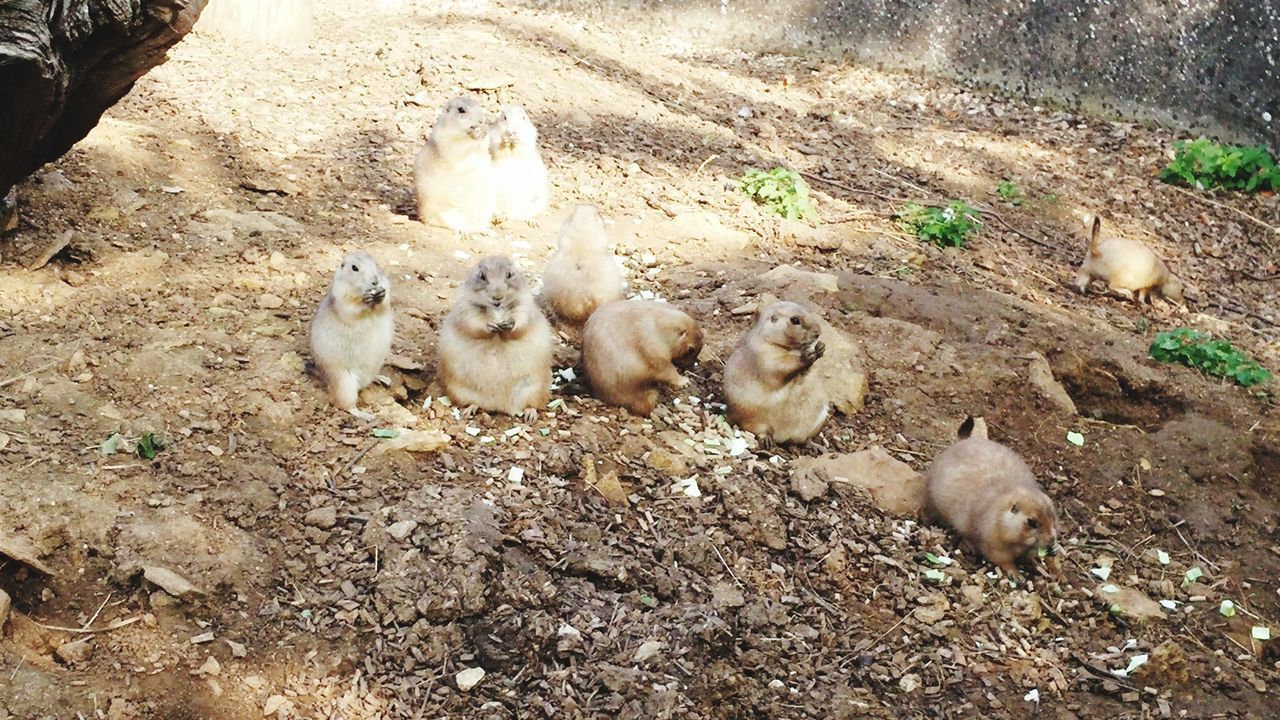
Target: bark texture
(64, 62)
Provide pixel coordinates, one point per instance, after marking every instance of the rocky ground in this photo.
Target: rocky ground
(277, 559)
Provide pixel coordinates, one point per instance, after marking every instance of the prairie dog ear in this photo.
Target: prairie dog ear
(972, 427)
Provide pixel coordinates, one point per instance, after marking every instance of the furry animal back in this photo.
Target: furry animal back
(582, 275)
(495, 348)
(631, 348)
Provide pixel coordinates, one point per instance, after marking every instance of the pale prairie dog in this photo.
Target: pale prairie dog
(985, 491)
(582, 275)
(495, 347)
(767, 384)
(453, 174)
(1128, 267)
(351, 333)
(522, 187)
(631, 347)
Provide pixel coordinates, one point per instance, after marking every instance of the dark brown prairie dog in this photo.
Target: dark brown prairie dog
(351, 332)
(984, 491)
(767, 383)
(582, 275)
(495, 347)
(453, 174)
(520, 176)
(631, 347)
(1128, 267)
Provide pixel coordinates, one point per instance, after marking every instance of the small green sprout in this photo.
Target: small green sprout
(781, 190)
(1204, 165)
(1211, 357)
(948, 226)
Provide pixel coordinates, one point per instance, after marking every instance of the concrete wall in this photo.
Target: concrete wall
(1205, 65)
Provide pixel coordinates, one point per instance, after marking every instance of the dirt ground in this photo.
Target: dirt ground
(208, 210)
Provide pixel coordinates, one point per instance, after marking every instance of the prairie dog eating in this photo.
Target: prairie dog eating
(631, 347)
(582, 275)
(350, 335)
(767, 384)
(453, 174)
(984, 491)
(1128, 267)
(522, 187)
(495, 347)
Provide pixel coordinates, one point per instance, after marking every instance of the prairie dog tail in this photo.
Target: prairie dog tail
(972, 427)
(1095, 234)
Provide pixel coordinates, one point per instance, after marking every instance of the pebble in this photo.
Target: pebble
(647, 650)
(402, 529)
(808, 486)
(4, 608)
(270, 302)
(277, 705)
(75, 652)
(210, 667)
(469, 678)
(322, 517)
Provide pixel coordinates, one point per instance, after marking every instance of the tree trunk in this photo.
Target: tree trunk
(64, 62)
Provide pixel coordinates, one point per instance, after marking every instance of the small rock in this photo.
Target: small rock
(647, 650)
(402, 529)
(270, 302)
(611, 488)
(75, 652)
(568, 639)
(5, 603)
(415, 441)
(894, 487)
(1042, 379)
(169, 581)
(210, 667)
(237, 650)
(55, 183)
(726, 595)
(808, 486)
(788, 277)
(1131, 603)
(322, 517)
(665, 462)
(469, 678)
(202, 638)
(277, 705)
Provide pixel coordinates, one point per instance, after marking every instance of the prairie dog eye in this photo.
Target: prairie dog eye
(795, 320)
(462, 110)
(1033, 523)
(355, 269)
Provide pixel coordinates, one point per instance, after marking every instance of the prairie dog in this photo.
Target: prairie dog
(582, 274)
(984, 491)
(1128, 267)
(350, 335)
(767, 383)
(495, 347)
(453, 174)
(631, 347)
(522, 187)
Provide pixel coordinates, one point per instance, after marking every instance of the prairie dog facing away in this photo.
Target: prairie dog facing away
(522, 187)
(582, 275)
(631, 347)
(453, 174)
(1128, 267)
(767, 384)
(985, 491)
(495, 346)
(351, 332)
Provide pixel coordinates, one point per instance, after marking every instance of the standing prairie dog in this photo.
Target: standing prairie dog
(767, 383)
(582, 275)
(522, 187)
(984, 491)
(453, 174)
(631, 347)
(351, 332)
(495, 347)
(1128, 267)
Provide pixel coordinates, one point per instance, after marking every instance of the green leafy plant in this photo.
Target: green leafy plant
(1204, 164)
(946, 226)
(1212, 357)
(149, 446)
(1010, 192)
(781, 190)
